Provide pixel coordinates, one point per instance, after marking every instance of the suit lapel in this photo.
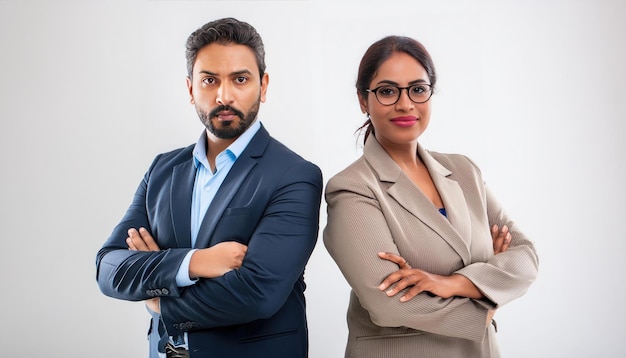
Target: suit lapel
(452, 229)
(238, 173)
(183, 177)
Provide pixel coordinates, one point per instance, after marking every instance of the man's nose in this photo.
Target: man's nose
(224, 95)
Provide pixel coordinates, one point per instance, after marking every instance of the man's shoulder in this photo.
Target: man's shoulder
(174, 157)
(287, 156)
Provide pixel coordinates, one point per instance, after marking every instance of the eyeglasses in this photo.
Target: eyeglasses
(388, 95)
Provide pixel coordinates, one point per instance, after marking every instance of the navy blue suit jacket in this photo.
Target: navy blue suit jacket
(269, 201)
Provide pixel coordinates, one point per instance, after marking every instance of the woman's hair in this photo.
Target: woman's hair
(225, 31)
(378, 53)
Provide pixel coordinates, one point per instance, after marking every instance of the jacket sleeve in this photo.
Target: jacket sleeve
(278, 251)
(135, 275)
(356, 231)
(507, 275)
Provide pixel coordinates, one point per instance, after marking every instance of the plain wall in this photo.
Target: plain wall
(532, 91)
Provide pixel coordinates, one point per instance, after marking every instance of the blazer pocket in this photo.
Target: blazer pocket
(236, 211)
(266, 336)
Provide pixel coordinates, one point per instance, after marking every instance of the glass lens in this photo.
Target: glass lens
(419, 93)
(388, 94)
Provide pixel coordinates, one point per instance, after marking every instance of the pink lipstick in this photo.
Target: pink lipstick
(405, 121)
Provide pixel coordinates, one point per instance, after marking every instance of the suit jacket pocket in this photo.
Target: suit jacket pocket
(236, 224)
(266, 336)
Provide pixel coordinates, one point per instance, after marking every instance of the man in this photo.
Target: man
(218, 234)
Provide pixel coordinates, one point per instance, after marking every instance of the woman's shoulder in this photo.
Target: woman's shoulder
(357, 173)
(454, 161)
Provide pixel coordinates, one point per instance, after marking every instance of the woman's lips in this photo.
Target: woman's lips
(406, 121)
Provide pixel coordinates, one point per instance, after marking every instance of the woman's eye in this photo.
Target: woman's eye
(387, 91)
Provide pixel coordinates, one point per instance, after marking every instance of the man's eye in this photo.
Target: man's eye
(241, 79)
(208, 80)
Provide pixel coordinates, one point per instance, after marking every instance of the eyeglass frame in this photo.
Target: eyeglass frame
(375, 90)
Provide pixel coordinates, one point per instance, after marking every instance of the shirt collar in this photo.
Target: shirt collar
(236, 148)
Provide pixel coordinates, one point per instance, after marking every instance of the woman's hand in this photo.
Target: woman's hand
(501, 239)
(418, 281)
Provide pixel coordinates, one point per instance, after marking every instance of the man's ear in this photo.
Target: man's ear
(190, 89)
(265, 81)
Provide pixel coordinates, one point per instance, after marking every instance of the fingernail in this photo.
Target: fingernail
(381, 287)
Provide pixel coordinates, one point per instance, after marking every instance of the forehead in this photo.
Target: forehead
(224, 59)
(400, 68)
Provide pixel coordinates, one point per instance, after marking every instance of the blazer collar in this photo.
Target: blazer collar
(455, 229)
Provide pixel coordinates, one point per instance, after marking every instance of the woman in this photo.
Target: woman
(427, 250)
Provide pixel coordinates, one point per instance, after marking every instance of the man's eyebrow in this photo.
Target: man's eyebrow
(232, 74)
(240, 72)
(205, 72)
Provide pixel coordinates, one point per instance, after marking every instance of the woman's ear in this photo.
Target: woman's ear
(362, 103)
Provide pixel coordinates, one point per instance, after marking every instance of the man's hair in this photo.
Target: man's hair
(225, 31)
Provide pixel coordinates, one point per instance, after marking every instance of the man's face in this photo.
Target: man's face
(226, 88)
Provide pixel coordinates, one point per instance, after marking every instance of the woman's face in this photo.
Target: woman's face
(402, 122)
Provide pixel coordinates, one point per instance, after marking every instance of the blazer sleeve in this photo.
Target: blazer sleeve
(356, 231)
(278, 251)
(136, 275)
(507, 275)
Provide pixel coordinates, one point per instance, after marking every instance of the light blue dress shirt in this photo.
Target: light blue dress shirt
(206, 185)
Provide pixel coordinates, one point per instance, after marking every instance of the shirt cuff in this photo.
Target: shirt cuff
(182, 277)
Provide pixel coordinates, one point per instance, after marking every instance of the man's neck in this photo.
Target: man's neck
(215, 146)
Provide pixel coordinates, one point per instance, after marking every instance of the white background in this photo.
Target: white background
(533, 91)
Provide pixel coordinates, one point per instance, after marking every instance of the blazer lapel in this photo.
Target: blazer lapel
(409, 196)
(183, 177)
(238, 173)
(454, 201)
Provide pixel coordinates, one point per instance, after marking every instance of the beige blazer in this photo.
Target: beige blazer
(373, 206)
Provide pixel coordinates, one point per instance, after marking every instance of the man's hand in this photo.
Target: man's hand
(217, 260)
(141, 240)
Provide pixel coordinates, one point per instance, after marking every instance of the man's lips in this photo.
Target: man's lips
(405, 121)
(226, 116)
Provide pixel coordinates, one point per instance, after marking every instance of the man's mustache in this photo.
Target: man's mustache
(222, 108)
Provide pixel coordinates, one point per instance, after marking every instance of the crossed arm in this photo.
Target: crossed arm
(443, 286)
(210, 262)
(417, 280)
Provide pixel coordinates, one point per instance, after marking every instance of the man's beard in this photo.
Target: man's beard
(227, 130)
